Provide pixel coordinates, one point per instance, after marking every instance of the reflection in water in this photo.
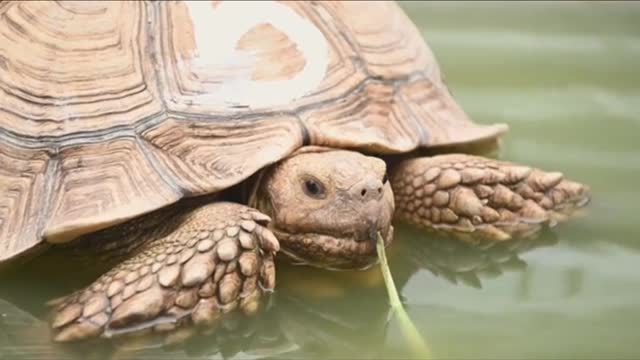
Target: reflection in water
(313, 313)
(574, 281)
(468, 263)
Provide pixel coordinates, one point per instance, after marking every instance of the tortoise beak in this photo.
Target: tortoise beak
(374, 227)
(370, 227)
(374, 222)
(386, 232)
(373, 234)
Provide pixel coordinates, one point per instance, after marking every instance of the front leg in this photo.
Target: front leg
(218, 258)
(476, 198)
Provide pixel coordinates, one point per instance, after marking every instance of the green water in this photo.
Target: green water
(565, 77)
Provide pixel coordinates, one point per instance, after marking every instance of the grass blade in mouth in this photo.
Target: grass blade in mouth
(409, 330)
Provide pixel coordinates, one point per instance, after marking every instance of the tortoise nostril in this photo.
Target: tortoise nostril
(368, 190)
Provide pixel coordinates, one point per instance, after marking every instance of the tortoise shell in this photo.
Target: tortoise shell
(109, 110)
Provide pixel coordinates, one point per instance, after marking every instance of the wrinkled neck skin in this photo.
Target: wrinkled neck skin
(327, 207)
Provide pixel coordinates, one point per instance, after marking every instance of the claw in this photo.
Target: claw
(490, 198)
(192, 272)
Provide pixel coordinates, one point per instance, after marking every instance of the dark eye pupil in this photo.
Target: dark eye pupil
(312, 187)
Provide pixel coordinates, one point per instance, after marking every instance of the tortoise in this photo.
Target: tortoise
(191, 142)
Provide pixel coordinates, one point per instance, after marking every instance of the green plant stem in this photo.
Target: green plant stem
(409, 330)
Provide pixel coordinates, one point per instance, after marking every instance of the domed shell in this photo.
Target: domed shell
(109, 110)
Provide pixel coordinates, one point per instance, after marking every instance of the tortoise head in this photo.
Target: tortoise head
(327, 206)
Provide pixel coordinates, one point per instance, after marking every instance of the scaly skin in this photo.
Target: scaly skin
(200, 262)
(219, 259)
(475, 198)
(191, 265)
(336, 229)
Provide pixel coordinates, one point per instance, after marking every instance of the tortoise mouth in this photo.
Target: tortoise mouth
(332, 252)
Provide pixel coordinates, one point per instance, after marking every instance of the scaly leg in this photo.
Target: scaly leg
(473, 197)
(219, 258)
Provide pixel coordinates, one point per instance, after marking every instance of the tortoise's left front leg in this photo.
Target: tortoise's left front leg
(473, 197)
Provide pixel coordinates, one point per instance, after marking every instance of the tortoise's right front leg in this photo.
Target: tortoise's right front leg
(473, 198)
(220, 259)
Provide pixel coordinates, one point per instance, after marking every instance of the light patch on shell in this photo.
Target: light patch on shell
(218, 30)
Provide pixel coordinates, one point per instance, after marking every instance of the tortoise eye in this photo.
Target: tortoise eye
(314, 188)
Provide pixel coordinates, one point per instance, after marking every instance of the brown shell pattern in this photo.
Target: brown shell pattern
(109, 110)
